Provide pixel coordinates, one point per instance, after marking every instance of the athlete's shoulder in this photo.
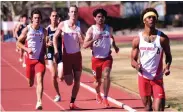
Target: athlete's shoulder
(47, 27)
(25, 30)
(90, 29)
(135, 41)
(61, 24)
(163, 35)
(164, 38)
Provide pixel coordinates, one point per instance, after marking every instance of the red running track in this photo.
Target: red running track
(17, 96)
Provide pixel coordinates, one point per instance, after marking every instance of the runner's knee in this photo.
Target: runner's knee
(68, 79)
(107, 73)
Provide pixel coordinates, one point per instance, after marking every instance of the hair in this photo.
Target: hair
(73, 6)
(148, 10)
(53, 11)
(100, 10)
(24, 15)
(36, 11)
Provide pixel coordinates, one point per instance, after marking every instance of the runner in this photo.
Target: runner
(18, 31)
(98, 38)
(15, 34)
(50, 53)
(72, 60)
(35, 38)
(149, 46)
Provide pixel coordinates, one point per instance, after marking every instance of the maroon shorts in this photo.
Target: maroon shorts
(33, 67)
(98, 65)
(72, 62)
(151, 87)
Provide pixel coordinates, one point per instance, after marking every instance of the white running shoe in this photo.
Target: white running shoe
(20, 60)
(39, 106)
(23, 65)
(57, 98)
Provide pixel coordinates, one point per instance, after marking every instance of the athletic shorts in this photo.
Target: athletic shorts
(50, 54)
(98, 65)
(33, 67)
(151, 87)
(72, 62)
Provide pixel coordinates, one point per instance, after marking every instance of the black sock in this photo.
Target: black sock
(72, 100)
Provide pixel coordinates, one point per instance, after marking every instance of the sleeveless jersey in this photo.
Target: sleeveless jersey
(71, 39)
(34, 41)
(151, 56)
(22, 26)
(50, 36)
(102, 46)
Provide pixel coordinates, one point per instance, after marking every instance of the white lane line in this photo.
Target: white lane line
(34, 85)
(120, 104)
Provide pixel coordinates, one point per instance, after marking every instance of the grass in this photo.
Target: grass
(125, 78)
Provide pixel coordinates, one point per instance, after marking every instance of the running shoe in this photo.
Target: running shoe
(57, 98)
(20, 60)
(99, 98)
(106, 103)
(39, 106)
(73, 106)
(23, 65)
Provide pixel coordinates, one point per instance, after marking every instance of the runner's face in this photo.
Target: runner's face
(100, 19)
(36, 19)
(24, 20)
(73, 13)
(150, 21)
(54, 17)
(20, 19)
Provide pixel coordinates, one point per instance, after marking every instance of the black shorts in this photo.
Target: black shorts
(50, 54)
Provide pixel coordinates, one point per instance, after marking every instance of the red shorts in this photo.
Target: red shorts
(72, 62)
(98, 65)
(151, 87)
(33, 67)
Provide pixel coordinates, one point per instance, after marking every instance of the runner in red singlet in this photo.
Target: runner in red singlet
(72, 60)
(99, 38)
(35, 45)
(149, 46)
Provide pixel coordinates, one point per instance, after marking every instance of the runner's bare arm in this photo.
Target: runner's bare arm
(134, 54)
(16, 30)
(44, 43)
(56, 35)
(88, 41)
(22, 38)
(165, 43)
(81, 37)
(113, 41)
(14, 35)
(47, 38)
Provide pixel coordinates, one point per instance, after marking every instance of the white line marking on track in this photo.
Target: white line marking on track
(120, 104)
(34, 85)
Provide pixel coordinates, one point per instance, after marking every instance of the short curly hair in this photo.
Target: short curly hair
(148, 10)
(36, 11)
(100, 10)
